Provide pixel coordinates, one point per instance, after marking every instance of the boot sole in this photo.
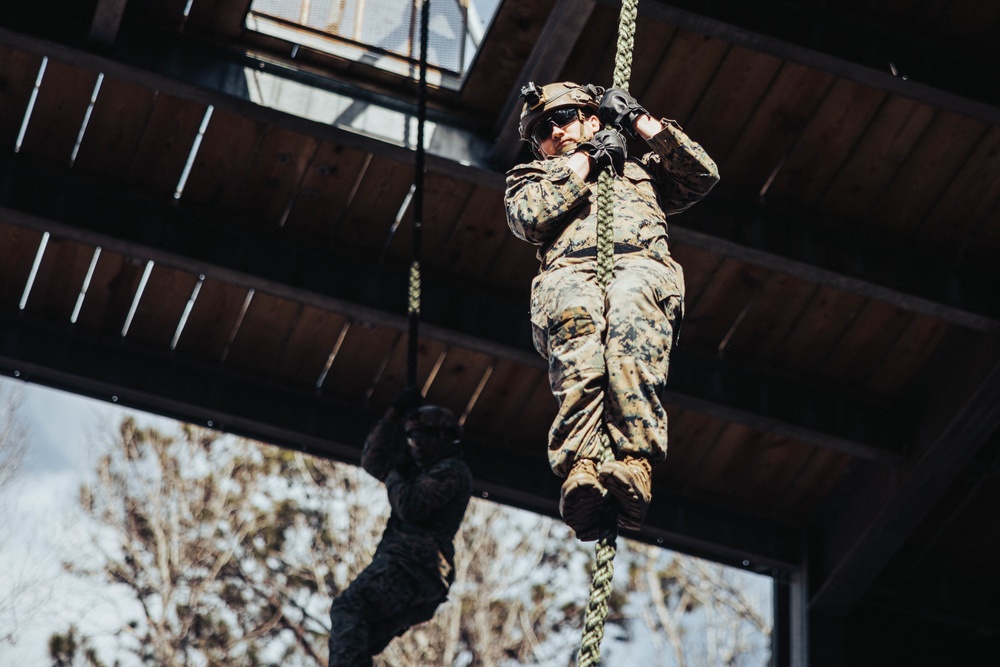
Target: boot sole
(630, 507)
(580, 509)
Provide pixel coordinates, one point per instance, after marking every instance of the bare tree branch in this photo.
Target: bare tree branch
(233, 550)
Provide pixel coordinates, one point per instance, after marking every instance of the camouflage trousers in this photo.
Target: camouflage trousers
(383, 602)
(608, 353)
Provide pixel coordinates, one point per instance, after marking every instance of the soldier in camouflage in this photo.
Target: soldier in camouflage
(429, 486)
(608, 352)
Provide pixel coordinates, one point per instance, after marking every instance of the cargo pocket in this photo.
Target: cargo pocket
(575, 351)
(672, 305)
(573, 323)
(540, 333)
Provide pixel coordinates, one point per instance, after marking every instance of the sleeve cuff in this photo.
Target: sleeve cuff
(668, 139)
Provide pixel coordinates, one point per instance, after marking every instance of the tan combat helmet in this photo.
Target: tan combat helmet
(538, 102)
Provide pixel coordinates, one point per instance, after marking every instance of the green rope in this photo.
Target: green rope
(605, 227)
(600, 583)
(606, 548)
(606, 181)
(626, 42)
(413, 288)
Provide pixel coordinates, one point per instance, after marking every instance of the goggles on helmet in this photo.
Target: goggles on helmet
(559, 118)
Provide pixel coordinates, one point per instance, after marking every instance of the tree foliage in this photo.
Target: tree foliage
(700, 612)
(13, 438)
(13, 445)
(71, 649)
(233, 550)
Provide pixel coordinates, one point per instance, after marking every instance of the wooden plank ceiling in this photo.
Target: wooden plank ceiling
(833, 404)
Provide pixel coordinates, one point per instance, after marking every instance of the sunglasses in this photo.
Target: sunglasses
(559, 118)
(421, 432)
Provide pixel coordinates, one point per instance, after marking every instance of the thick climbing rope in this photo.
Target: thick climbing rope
(413, 292)
(606, 548)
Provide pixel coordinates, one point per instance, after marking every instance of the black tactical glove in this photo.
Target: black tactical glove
(619, 109)
(407, 399)
(607, 147)
(404, 464)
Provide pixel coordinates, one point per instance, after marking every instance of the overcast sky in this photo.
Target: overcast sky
(39, 513)
(41, 522)
(41, 527)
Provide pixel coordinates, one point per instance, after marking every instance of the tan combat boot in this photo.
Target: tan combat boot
(580, 500)
(628, 481)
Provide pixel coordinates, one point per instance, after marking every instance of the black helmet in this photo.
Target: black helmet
(433, 433)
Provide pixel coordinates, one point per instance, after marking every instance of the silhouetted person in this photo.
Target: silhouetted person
(416, 453)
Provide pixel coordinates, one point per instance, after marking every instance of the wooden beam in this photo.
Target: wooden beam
(365, 290)
(547, 59)
(762, 236)
(162, 384)
(218, 78)
(841, 254)
(849, 46)
(857, 536)
(107, 19)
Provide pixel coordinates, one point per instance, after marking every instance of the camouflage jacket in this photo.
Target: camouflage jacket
(549, 205)
(427, 504)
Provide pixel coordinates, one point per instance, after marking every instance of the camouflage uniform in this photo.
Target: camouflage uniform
(414, 565)
(608, 353)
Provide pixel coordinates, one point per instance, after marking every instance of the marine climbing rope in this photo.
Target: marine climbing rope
(606, 548)
(413, 292)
